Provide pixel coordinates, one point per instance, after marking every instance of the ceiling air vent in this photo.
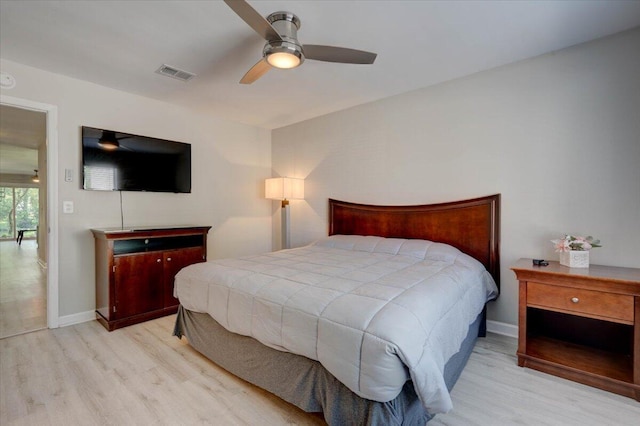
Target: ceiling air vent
(173, 72)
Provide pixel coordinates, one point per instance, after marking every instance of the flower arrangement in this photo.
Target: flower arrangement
(573, 243)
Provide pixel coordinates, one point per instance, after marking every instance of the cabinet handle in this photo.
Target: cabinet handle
(158, 260)
(168, 259)
(575, 299)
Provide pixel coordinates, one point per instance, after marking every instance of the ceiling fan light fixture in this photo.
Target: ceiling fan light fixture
(283, 60)
(283, 54)
(108, 141)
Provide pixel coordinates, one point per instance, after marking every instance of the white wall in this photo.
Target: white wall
(229, 164)
(558, 136)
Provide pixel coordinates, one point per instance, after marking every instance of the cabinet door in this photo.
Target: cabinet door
(138, 284)
(175, 260)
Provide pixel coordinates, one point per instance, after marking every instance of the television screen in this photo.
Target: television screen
(116, 161)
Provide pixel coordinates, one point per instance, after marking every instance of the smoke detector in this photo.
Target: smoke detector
(7, 81)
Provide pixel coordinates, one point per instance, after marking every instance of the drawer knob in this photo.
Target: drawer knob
(168, 259)
(158, 260)
(575, 299)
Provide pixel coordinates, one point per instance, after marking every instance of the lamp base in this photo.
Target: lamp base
(286, 240)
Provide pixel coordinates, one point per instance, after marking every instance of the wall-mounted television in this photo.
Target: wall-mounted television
(117, 161)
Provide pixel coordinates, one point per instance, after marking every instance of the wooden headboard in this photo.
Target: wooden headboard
(472, 226)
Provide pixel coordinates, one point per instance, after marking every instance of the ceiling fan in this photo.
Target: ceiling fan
(283, 50)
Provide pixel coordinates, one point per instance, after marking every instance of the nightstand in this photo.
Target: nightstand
(582, 324)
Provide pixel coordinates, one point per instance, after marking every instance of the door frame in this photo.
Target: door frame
(51, 112)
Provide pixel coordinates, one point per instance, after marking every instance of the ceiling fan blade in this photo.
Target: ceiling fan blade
(256, 71)
(254, 19)
(337, 54)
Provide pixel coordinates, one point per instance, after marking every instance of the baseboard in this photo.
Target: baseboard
(76, 318)
(502, 328)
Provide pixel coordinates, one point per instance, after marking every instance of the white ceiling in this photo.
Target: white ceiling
(120, 44)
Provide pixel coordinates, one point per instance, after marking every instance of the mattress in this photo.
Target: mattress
(375, 312)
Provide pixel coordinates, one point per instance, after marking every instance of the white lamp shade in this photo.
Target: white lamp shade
(284, 188)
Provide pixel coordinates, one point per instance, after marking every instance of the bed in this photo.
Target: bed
(420, 277)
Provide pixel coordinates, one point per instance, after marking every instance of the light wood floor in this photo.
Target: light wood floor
(142, 375)
(23, 292)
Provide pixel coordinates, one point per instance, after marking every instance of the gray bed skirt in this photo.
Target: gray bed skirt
(304, 382)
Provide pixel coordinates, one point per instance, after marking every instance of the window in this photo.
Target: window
(18, 210)
(103, 178)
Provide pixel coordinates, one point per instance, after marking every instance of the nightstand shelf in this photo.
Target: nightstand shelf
(583, 358)
(581, 324)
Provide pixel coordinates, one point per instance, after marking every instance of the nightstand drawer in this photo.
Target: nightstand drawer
(588, 303)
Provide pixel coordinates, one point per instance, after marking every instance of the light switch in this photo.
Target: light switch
(68, 175)
(67, 207)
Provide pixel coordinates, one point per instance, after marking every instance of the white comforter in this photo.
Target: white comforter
(373, 311)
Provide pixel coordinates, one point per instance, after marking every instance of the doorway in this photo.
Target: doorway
(28, 240)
